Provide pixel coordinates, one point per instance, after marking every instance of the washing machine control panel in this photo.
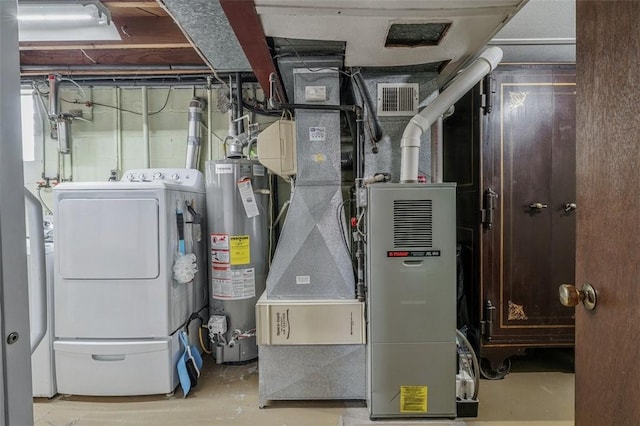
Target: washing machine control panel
(184, 177)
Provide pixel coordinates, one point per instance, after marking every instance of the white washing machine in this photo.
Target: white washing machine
(117, 305)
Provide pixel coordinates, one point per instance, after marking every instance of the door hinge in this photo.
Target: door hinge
(490, 197)
(486, 326)
(487, 93)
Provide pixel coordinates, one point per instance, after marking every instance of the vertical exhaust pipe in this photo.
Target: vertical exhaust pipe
(194, 134)
(421, 122)
(54, 99)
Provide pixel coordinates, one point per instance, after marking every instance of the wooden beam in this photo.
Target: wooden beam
(135, 32)
(114, 71)
(93, 46)
(141, 57)
(127, 4)
(246, 25)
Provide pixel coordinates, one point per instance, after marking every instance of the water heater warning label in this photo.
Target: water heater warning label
(233, 284)
(240, 250)
(413, 399)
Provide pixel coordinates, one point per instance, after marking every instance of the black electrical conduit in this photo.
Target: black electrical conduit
(362, 89)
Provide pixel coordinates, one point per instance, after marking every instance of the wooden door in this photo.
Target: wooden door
(608, 216)
(528, 159)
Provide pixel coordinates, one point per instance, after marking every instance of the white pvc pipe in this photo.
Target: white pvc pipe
(436, 151)
(209, 120)
(421, 122)
(145, 128)
(118, 132)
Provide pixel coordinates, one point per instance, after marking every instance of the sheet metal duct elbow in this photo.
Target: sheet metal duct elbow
(410, 143)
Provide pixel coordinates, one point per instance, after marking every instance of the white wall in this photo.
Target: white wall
(94, 143)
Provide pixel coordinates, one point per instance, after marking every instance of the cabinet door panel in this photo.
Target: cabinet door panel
(529, 147)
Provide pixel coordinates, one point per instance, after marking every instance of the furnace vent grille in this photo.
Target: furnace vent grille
(412, 224)
(397, 99)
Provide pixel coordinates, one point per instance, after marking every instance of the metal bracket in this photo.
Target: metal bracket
(490, 197)
(487, 95)
(486, 326)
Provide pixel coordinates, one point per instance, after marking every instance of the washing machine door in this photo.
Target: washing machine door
(109, 282)
(110, 239)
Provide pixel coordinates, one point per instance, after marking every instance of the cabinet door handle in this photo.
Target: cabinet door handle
(569, 207)
(537, 206)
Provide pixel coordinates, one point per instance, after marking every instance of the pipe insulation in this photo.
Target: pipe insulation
(194, 134)
(421, 122)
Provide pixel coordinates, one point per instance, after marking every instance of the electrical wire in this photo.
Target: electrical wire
(212, 132)
(49, 211)
(89, 104)
(261, 111)
(339, 215)
(310, 68)
(84, 94)
(474, 359)
(202, 345)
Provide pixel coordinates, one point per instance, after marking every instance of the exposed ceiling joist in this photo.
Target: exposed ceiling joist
(149, 38)
(246, 25)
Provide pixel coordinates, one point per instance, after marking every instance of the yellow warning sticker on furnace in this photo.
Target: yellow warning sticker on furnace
(239, 249)
(413, 399)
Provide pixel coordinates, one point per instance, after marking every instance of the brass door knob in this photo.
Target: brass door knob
(570, 296)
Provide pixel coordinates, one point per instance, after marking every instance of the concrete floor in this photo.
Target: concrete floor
(539, 391)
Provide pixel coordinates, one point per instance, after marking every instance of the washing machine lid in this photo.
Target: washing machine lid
(189, 180)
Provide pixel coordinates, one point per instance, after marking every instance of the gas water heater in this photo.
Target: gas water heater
(237, 216)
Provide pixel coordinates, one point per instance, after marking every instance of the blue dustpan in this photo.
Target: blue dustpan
(189, 365)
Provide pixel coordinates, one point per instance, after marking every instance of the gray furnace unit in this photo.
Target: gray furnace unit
(411, 270)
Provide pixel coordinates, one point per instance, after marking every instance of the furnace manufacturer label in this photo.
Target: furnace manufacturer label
(423, 253)
(283, 326)
(413, 399)
(317, 134)
(240, 252)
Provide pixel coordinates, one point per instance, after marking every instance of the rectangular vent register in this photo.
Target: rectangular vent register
(397, 99)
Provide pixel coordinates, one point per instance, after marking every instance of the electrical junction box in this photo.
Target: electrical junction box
(310, 322)
(277, 148)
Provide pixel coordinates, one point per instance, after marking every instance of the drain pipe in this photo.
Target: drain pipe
(421, 122)
(209, 120)
(437, 149)
(145, 128)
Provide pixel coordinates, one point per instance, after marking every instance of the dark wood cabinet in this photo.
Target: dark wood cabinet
(512, 152)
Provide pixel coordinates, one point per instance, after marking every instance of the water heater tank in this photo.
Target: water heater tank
(237, 217)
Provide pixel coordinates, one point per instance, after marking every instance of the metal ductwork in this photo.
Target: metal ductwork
(421, 122)
(206, 25)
